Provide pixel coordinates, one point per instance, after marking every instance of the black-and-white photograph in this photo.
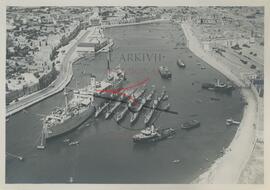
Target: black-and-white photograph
(134, 95)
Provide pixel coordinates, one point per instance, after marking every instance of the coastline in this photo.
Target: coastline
(228, 168)
(65, 75)
(58, 85)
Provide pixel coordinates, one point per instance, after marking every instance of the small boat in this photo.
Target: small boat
(230, 122)
(164, 72)
(180, 63)
(167, 107)
(66, 140)
(151, 134)
(40, 147)
(176, 161)
(223, 86)
(190, 124)
(71, 179)
(166, 97)
(73, 143)
(203, 67)
(218, 87)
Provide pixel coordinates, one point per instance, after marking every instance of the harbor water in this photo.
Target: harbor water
(106, 152)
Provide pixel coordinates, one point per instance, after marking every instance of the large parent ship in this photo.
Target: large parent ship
(81, 106)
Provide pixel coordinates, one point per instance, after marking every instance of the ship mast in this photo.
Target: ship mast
(92, 88)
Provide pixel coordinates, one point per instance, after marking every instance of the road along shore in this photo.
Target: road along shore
(228, 168)
(66, 72)
(59, 84)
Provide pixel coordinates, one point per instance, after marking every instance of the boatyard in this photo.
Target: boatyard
(146, 100)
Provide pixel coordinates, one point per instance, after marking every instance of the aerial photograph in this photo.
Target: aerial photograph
(134, 95)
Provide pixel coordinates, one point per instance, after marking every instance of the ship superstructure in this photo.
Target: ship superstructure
(82, 105)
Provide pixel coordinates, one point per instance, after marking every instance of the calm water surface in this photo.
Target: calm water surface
(106, 153)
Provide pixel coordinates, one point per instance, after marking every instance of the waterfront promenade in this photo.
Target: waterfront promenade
(58, 85)
(65, 73)
(229, 167)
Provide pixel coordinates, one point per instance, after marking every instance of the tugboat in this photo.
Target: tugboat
(180, 63)
(164, 72)
(218, 86)
(190, 124)
(223, 86)
(151, 134)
